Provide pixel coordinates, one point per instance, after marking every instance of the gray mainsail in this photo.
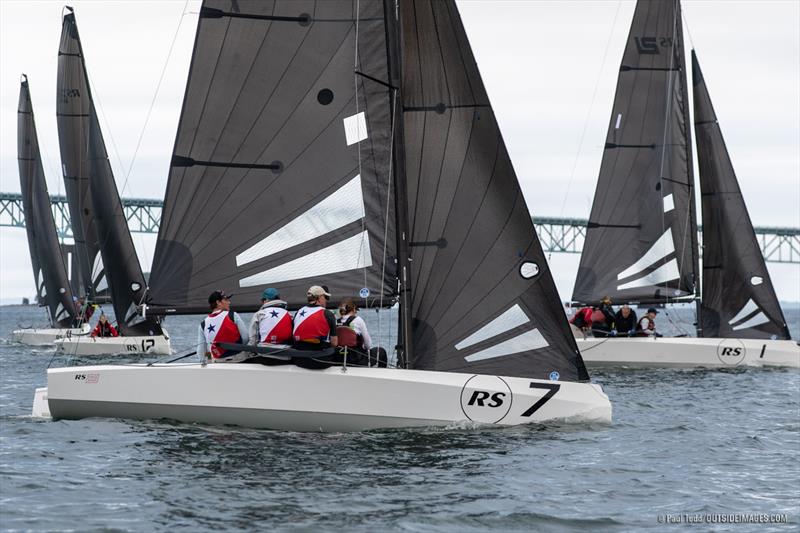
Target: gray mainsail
(280, 174)
(52, 285)
(738, 297)
(641, 238)
(483, 298)
(74, 110)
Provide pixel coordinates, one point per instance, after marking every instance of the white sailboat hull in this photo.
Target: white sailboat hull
(86, 345)
(292, 398)
(687, 352)
(45, 336)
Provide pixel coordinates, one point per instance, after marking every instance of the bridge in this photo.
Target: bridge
(566, 235)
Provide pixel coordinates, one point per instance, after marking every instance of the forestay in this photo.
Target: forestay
(74, 110)
(280, 174)
(483, 298)
(50, 274)
(640, 242)
(738, 297)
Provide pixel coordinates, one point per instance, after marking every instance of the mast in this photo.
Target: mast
(393, 49)
(681, 53)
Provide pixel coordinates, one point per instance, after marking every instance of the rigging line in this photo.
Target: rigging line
(155, 95)
(588, 115)
(386, 217)
(355, 97)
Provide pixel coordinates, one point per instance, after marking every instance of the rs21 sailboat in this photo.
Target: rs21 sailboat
(641, 241)
(49, 271)
(313, 148)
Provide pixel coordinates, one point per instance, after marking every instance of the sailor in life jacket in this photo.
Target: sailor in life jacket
(314, 325)
(272, 324)
(221, 325)
(647, 324)
(348, 317)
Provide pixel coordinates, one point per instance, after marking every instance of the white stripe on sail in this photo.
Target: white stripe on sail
(662, 274)
(510, 319)
(60, 311)
(102, 284)
(749, 308)
(669, 203)
(660, 249)
(349, 254)
(344, 206)
(530, 340)
(760, 318)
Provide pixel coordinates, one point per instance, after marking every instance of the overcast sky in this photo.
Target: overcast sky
(550, 68)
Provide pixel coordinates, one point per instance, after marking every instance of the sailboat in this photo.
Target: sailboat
(641, 241)
(49, 271)
(97, 215)
(312, 148)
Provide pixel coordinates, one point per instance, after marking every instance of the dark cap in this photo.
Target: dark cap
(216, 296)
(652, 310)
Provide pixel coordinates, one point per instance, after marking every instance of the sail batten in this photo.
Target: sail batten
(738, 298)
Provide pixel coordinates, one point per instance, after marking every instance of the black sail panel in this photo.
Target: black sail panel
(738, 297)
(281, 167)
(74, 108)
(125, 279)
(640, 240)
(484, 300)
(52, 285)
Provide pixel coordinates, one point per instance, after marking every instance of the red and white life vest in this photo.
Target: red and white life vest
(275, 325)
(220, 327)
(310, 324)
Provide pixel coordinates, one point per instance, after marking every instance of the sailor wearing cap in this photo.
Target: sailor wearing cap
(314, 325)
(221, 325)
(647, 324)
(272, 324)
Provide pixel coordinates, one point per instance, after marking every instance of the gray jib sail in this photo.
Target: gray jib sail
(125, 279)
(641, 237)
(280, 175)
(484, 300)
(738, 297)
(74, 109)
(50, 274)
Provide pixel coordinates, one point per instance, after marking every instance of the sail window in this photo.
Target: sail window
(528, 270)
(756, 280)
(325, 96)
(530, 340)
(619, 121)
(509, 320)
(62, 290)
(660, 249)
(355, 128)
(662, 274)
(344, 206)
(669, 203)
(749, 308)
(135, 286)
(349, 254)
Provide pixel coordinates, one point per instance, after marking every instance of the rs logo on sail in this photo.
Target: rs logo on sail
(649, 45)
(64, 94)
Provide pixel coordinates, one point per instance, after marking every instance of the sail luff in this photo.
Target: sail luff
(50, 274)
(638, 241)
(739, 300)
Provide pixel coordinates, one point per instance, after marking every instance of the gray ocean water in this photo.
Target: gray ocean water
(699, 446)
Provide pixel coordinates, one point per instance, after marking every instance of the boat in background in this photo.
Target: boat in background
(641, 241)
(387, 178)
(49, 270)
(100, 211)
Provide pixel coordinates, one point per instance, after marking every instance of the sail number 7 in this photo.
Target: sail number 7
(552, 389)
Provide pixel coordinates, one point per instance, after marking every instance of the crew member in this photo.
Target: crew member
(647, 324)
(348, 316)
(221, 325)
(104, 328)
(314, 325)
(272, 324)
(625, 321)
